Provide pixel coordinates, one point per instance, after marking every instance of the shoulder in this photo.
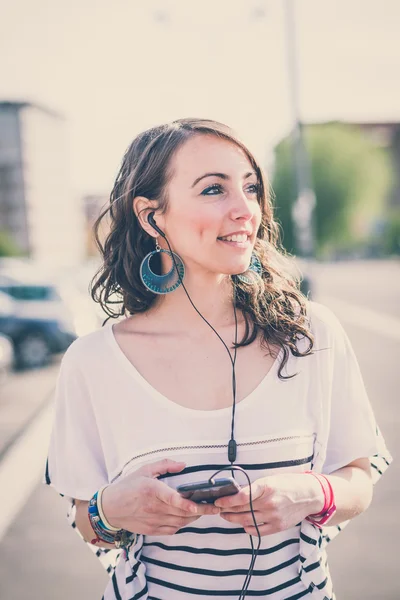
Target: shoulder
(323, 322)
(87, 348)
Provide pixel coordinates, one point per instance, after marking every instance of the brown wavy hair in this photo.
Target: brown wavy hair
(273, 307)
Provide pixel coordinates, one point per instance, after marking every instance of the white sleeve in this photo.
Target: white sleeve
(352, 429)
(75, 465)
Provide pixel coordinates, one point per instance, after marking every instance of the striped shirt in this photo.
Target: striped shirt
(109, 421)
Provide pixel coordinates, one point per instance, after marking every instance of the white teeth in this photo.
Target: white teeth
(239, 237)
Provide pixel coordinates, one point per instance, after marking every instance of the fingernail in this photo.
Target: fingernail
(193, 509)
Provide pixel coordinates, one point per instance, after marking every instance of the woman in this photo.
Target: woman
(218, 350)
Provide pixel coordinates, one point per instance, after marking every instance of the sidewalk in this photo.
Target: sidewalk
(22, 396)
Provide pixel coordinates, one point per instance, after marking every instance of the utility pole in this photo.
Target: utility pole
(303, 208)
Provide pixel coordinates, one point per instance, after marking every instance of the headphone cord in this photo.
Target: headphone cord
(232, 445)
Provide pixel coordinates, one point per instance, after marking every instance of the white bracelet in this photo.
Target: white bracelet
(101, 512)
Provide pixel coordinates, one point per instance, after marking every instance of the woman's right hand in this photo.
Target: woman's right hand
(140, 503)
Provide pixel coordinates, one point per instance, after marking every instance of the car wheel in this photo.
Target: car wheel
(32, 351)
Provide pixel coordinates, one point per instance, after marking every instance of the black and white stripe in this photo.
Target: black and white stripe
(211, 558)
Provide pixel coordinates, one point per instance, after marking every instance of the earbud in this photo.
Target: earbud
(150, 219)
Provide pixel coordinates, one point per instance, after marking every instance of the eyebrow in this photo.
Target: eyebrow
(221, 175)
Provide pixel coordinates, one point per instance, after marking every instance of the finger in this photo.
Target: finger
(207, 509)
(245, 519)
(174, 521)
(242, 498)
(264, 529)
(161, 467)
(178, 512)
(188, 520)
(174, 526)
(152, 525)
(164, 509)
(179, 506)
(258, 504)
(174, 500)
(240, 509)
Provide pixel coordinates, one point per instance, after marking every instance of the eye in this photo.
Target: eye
(212, 190)
(254, 188)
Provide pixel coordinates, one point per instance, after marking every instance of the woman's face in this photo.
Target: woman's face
(213, 213)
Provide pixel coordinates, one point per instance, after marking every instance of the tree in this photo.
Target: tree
(391, 232)
(351, 178)
(7, 245)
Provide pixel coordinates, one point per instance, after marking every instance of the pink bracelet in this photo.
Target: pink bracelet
(329, 508)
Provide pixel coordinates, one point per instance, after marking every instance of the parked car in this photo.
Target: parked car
(44, 317)
(34, 340)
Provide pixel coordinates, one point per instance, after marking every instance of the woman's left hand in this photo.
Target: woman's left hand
(279, 502)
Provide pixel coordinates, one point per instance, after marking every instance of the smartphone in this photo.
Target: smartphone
(204, 492)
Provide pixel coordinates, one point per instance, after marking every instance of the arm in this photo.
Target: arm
(347, 428)
(353, 490)
(142, 504)
(282, 501)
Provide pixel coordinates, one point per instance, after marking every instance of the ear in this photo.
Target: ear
(142, 207)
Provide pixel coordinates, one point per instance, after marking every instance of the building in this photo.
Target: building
(94, 205)
(37, 206)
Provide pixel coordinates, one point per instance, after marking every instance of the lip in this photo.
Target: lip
(242, 232)
(238, 245)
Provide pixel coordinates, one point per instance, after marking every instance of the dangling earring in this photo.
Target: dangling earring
(253, 272)
(162, 284)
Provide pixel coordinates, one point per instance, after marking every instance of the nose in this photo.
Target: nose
(241, 207)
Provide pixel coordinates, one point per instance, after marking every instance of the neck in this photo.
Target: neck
(210, 294)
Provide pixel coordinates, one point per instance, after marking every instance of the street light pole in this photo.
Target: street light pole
(303, 208)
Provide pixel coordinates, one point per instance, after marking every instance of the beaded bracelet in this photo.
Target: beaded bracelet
(120, 537)
(97, 524)
(101, 536)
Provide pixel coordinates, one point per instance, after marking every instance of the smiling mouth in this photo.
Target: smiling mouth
(240, 238)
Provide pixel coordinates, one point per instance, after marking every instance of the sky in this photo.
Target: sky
(115, 68)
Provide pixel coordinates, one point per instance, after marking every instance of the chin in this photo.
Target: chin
(232, 267)
(238, 269)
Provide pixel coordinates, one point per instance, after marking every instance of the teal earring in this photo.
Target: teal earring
(162, 284)
(253, 272)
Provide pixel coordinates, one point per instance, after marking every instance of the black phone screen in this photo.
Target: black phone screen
(204, 492)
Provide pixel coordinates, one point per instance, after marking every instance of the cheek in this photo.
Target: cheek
(204, 224)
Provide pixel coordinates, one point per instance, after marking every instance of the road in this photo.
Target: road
(41, 557)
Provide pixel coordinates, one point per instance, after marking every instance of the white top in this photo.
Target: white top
(109, 421)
